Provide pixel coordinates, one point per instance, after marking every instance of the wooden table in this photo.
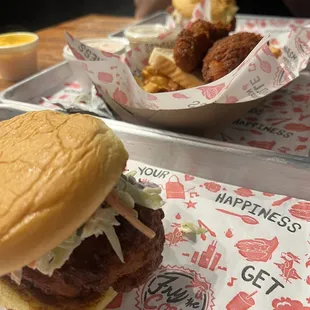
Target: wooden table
(52, 39)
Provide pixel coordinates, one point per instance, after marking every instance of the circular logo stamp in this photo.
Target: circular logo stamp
(175, 288)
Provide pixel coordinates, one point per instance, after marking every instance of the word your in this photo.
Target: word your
(249, 274)
(155, 172)
(259, 211)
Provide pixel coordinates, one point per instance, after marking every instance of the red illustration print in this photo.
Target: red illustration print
(302, 117)
(174, 189)
(256, 132)
(193, 194)
(175, 237)
(188, 177)
(116, 302)
(231, 282)
(203, 225)
(308, 300)
(302, 47)
(300, 147)
(303, 139)
(301, 210)
(297, 110)
(151, 97)
(244, 192)
(109, 55)
(191, 205)
(120, 97)
(245, 86)
(276, 97)
(211, 92)
(85, 67)
(180, 96)
(242, 301)
(188, 288)
(229, 233)
(288, 304)
(231, 99)
(251, 118)
(127, 61)
(280, 202)
(258, 249)
(178, 216)
(267, 145)
(212, 187)
(76, 54)
(63, 96)
(283, 149)
(209, 258)
(264, 65)
(245, 218)
(301, 98)
(287, 267)
(308, 263)
(74, 85)
(277, 121)
(105, 77)
(268, 194)
(162, 36)
(173, 225)
(252, 67)
(145, 62)
(297, 127)
(308, 280)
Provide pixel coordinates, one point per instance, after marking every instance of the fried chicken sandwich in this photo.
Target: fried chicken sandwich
(74, 230)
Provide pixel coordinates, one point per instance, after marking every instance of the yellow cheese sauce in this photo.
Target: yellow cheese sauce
(15, 39)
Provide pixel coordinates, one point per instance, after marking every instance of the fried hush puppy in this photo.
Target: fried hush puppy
(193, 43)
(227, 54)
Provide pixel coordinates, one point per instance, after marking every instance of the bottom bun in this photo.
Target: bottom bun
(14, 298)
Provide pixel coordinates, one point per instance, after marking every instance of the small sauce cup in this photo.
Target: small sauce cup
(142, 34)
(112, 45)
(18, 55)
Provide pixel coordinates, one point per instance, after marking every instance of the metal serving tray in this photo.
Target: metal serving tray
(42, 84)
(236, 165)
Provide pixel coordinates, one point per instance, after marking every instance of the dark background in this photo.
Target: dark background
(32, 15)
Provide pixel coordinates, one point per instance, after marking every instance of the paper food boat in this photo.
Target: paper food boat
(208, 108)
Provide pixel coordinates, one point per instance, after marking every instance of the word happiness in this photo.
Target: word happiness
(259, 211)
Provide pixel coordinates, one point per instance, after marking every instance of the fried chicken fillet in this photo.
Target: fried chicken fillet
(193, 43)
(227, 54)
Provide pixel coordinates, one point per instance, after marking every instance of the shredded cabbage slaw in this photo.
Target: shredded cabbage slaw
(129, 192)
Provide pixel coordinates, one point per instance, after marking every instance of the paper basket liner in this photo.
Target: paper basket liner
(260, 74)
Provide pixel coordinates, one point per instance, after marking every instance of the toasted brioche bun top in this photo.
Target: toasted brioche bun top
(56, 170)
(185, 7)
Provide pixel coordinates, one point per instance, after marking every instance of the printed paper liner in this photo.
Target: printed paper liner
(255, 253)
(257, 76)
(281, 123)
